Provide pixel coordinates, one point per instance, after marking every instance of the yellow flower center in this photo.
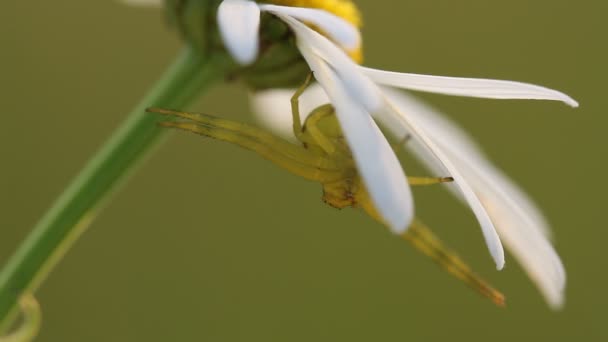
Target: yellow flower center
(344, 9)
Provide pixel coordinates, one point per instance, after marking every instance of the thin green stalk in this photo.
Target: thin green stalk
(63, 223)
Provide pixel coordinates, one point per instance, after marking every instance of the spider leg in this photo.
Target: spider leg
(397, 146)
(294, 159)
(419, 180)
(295, 107)
(310, 125)
(260, 135)
(421, 237)
(426, 242)
(428, 180)
(326, 144)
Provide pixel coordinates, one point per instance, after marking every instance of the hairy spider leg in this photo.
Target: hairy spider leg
(309, 132)
(294, 159)
(428, 180)
(421, 237)
(418, 181)
(245, 130)
(312, 129)
(295, 107)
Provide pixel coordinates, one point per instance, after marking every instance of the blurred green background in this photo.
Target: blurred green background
(211, 243)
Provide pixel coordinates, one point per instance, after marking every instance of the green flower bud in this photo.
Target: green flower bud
(279, 64)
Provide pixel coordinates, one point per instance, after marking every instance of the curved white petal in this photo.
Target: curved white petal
(399, 123)
(379, 167)
(360, 87)
(144, 3)
(453, 138)
(338, 29)
(519, 223)
(472, 87)
(527, 243)
(272, 108)
(522, 202)
(239, 25)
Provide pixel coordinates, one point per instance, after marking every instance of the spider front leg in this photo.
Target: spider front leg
(322, 129)
(428, 180)
(293, 158)
(295, 107)
(426, 242)
(423, 238)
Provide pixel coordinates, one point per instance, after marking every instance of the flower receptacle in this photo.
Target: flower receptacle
(278, 64)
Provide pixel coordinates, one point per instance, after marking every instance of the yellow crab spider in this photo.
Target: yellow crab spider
(324, 157)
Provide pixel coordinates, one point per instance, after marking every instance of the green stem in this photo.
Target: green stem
(63, 223)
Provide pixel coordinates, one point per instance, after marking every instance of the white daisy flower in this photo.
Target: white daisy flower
(518, 221)
(501, 208)
(356, 93)
(239, 25)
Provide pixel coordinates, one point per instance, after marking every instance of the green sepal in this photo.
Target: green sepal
(279, 63)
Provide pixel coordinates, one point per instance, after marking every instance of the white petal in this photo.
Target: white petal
(518, 221)
(400, 123)
(379, 167)
(529, 246)
(472, 87)
(239, 24)
(144, 3)
(360, 87)
(453, 138)
(338, 29)
(521, 201)
(273, 108)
